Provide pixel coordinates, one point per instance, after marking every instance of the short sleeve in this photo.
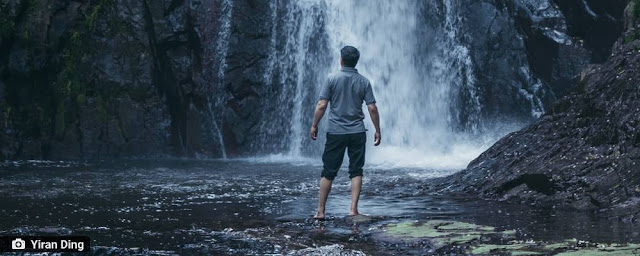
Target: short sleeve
(325, 91)
(368, 95)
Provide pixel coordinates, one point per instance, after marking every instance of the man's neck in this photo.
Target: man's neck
(348, 69)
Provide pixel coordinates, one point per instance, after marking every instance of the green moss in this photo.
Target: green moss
(607, 251)
(551, 247)
(415, 230)
(511, 232)
(460, 239)
(632, 37)
(445, 233)
(526, 253)
(488, 248)
(465, 226)
(91, 19)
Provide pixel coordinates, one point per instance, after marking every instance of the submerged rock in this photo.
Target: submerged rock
(468, 238)
(335, 249)
(440, 233)
(583, 154)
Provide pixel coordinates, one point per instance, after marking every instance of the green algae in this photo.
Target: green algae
(526, 253)
(511, 232)
(612, 250)
(358, 219)
(441, 232)
(487, 248)
(465, 226)
(462, 239)
(415, 230)
(551, 247)
(444, 233)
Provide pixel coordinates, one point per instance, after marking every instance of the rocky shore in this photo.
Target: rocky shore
(584, 153)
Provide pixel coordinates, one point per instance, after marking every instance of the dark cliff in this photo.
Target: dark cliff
(584, 153)
(108, 78)
(111, 78)
(89, 79)
(527, 54)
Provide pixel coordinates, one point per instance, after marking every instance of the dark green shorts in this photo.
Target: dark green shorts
(354, 143)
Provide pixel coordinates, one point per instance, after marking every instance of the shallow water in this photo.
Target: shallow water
(247, 207)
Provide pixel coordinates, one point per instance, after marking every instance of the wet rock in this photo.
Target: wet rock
(147, 78)
(105, 79)
(527, 54)
(335, 249)
(582, 154)
(440, 233)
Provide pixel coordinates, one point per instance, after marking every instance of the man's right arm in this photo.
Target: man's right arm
(375, 118)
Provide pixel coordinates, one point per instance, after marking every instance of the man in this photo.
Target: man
(345, 90)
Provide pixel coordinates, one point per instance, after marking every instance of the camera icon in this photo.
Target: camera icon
(17, 244)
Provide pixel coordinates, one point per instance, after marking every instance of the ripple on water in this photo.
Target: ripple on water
(224, 207)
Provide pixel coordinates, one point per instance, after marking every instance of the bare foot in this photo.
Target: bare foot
(354, 213)
(319, 216)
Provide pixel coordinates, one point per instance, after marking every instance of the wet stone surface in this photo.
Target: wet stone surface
(247, 207)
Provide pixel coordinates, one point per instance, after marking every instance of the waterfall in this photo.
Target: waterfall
(421, 75)
(416, 68)
(221, 49)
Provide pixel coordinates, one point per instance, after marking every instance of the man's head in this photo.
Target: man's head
(349, 56)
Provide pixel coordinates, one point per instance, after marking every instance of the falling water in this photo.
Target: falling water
(421, 74)
(416, 69)
(221, 49)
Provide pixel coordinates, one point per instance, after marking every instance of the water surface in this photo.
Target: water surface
(249, 206)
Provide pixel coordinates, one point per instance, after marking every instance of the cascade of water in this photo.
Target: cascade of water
(410, 51)
(222, 47)
(290, 73)
(416, 70)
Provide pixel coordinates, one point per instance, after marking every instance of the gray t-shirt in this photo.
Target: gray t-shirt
(346, 90)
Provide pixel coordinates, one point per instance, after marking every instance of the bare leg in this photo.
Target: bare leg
(356, 186)
(325, 188)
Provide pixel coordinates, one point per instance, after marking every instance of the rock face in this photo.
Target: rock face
(102, 79)
(113, 78)
(528, 53)
(584, 153)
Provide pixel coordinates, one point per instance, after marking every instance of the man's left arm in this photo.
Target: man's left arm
(321, 107)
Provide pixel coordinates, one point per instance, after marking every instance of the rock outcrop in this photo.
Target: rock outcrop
(584, 153)
(527, 54)
(101, 79)
(113, 78)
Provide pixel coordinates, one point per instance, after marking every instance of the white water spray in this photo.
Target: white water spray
(222, 47)
(415, 82)
(416, 65)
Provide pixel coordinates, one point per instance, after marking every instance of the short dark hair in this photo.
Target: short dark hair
(350, 56)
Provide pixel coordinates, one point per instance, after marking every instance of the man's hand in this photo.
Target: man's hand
(317, 115)
(314, 132)
(375, 118)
